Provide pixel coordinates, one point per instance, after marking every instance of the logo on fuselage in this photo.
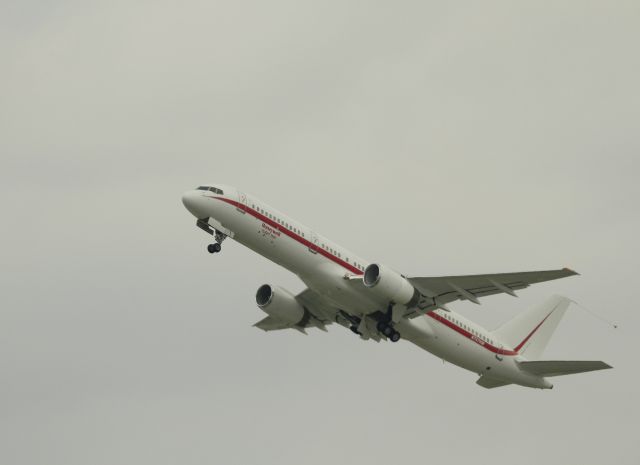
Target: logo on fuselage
(269, 232)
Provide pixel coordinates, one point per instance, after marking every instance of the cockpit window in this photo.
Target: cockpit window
(212, 189)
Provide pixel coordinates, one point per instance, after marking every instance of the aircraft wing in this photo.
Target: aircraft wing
(317, 306)
(445, 289)
(271, 324)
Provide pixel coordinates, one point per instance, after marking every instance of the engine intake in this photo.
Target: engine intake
(280, 303)
(388, 285)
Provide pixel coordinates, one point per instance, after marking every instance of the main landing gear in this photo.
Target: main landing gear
(217, 245)
(385, 326)
(388, 330)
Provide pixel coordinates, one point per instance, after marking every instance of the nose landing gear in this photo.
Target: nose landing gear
(214, 248)
(217, 245)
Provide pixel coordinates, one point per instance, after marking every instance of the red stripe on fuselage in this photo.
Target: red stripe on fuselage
(473, 337)
(356, 271)
(291, 234)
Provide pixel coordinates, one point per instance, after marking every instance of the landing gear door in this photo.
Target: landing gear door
(242, 199)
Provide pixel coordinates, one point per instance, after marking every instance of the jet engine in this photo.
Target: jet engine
(280, 303)
(389, 285)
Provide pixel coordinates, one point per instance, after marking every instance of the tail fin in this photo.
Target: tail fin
(531, 331)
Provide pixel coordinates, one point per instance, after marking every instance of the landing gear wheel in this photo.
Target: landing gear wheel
(388, 331)
(380, 326)
(395, 337)
(214, 248)
(354, 328)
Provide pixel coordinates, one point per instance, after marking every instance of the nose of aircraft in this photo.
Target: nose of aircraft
(193, 202)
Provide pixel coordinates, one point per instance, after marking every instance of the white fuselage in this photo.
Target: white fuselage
(322, 265)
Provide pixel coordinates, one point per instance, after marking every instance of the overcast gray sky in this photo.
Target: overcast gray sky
(436, 138)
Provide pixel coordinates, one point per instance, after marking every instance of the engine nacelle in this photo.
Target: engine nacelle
(279, 303)
(388, 285)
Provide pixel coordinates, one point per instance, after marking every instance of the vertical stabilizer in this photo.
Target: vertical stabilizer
(530, 332)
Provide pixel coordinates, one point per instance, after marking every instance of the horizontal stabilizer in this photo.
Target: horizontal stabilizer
(561, 367)
(490, 383)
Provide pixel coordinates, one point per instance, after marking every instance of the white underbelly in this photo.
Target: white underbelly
(448, 345)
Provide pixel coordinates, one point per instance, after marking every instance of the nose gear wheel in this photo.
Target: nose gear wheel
(217, 245)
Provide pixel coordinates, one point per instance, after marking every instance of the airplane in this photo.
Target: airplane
(377, 303)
